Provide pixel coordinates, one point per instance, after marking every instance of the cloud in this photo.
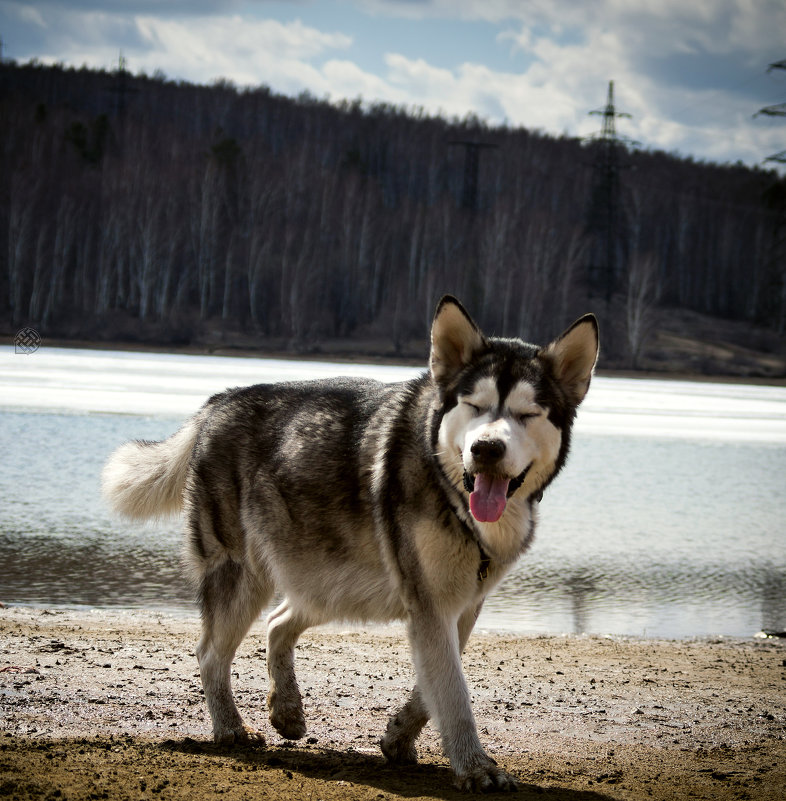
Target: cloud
(345, 80)
(30, 15)
(691, 74)
(198, 48)
(243, 50)
(495, 96)
(167, 8)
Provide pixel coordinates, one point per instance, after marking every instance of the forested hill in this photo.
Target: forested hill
(137, 209)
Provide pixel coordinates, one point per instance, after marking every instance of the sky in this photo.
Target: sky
(691, 73)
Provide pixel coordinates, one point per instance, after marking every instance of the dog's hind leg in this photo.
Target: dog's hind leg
(398, 743)
(231, 597)
(284, 626)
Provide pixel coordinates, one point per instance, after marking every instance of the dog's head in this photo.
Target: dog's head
(507, 407)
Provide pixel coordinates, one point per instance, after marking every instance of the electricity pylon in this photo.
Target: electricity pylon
(775, 201)
(122, 87)
(778, 110)
(469, 193)
(605, 219)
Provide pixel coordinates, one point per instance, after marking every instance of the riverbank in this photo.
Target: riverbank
(108, 704)
(681, 345)
(735, 366)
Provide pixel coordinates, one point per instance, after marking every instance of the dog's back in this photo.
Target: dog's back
(276, 482)
(279, 481)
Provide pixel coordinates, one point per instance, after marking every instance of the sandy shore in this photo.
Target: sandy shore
(109, 705)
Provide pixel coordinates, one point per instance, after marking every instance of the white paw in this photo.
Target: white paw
(487, 778)
(242, 735)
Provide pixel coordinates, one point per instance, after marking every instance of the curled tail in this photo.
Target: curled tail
(146, 479)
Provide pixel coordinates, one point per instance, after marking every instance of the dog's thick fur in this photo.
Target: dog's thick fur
(365, 501)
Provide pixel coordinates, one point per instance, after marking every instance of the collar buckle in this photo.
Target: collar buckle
(485, 565)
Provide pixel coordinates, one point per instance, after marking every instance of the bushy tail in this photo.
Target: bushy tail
(146, 479)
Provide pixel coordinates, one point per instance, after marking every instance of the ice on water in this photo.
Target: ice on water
(667, 521)
(62, 379)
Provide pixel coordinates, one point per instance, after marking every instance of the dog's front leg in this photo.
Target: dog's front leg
(404, 727)
(437, 656)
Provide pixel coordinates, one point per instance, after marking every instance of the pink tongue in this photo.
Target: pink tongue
(487, 501)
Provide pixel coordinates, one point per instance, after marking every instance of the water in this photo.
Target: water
(667, 521)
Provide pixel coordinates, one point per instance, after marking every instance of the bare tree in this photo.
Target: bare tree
(640, 299)
(206, 209)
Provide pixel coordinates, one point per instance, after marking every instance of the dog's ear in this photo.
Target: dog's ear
(454, 339)
(573, 356)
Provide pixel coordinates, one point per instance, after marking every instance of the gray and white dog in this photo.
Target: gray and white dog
(364, 501)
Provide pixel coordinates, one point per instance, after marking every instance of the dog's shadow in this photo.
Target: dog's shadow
(369, 770)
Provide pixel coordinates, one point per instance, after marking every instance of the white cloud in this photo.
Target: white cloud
(680, 68)
(345, 80)
(194, 48)
(28, 14)
(485, 10)
(677, 68)
(244, 50)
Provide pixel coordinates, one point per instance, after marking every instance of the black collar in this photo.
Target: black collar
(485, 564)
(485, 559)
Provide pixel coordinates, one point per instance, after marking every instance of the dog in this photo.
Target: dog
(364, 501)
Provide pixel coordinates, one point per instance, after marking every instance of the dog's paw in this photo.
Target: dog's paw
(243, 735)
(398, 750)
(486, 779)
(287, 718)
(288, 729)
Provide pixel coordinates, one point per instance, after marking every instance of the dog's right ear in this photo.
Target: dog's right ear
(454, 340)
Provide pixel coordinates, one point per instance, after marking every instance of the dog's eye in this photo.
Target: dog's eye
(476, 410)
(522, 418)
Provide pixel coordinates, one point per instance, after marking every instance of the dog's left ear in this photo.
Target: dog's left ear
(455, 338)
(574, 355)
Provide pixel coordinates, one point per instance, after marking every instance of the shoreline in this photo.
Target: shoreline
(188, 613)
(375, 358)
(109, 701)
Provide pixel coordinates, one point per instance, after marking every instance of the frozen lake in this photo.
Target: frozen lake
(667, 521)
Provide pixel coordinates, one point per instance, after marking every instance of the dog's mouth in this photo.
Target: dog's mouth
(489, 494)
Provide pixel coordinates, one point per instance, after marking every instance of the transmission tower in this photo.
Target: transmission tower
(122, 87)
(605, 220)
(778, 110)
(775, 201)
(472, 150)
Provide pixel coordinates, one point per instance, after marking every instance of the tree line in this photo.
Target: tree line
(132, 207)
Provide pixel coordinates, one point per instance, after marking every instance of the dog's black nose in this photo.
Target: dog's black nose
(488, 450)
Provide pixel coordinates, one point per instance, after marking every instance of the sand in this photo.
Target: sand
(108, 704)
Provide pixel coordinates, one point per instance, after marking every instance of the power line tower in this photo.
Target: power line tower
(472, 150)
(122, 87)
(774, 197)
(778, 110)
(605, 220)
